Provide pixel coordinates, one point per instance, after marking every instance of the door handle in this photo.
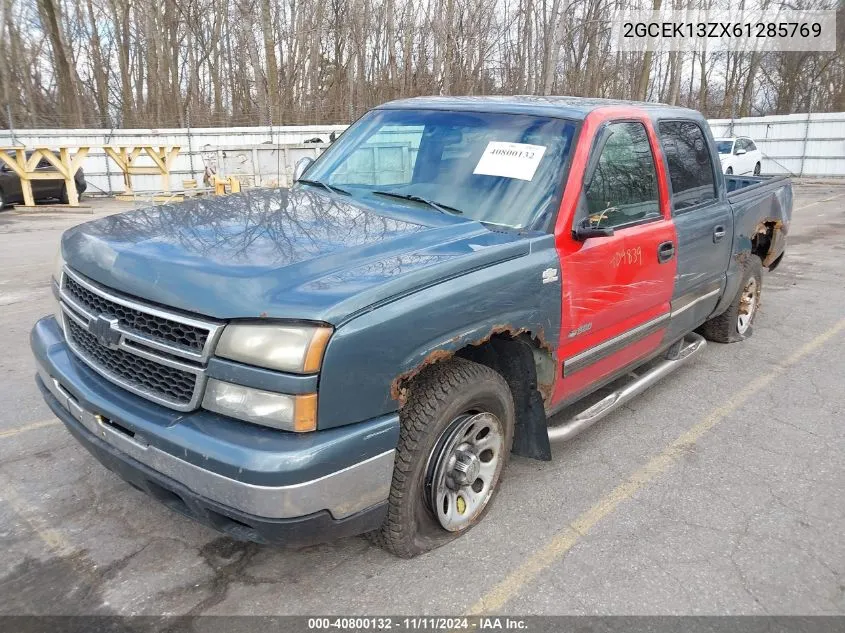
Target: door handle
(718, 233)
(665, 252)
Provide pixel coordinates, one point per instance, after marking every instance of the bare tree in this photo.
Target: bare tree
(158, 63)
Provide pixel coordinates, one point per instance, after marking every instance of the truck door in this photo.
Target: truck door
(703, 221)
(616, 288)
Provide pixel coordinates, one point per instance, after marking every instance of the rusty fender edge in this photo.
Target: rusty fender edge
(509, 355)
(398, 388)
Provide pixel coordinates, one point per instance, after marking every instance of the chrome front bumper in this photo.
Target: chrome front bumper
(110, 415)
(343, 493)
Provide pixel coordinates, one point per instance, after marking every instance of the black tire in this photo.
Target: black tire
(437, 397)
(2, 200)
(729, 171)
(725, 327)
(757, 169)
(63, 197)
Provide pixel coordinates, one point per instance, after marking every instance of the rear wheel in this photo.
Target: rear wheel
(455, 440)
(734, 324)
(729, 171)
(757, 169)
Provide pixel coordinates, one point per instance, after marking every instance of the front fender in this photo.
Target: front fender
(368, 358)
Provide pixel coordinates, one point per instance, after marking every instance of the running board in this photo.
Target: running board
(690, 347)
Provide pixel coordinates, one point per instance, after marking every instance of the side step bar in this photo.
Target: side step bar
(690, 347)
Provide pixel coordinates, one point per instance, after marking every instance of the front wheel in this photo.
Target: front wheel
(729, 171)
(455, 440)
(734, 324)
(757, 169)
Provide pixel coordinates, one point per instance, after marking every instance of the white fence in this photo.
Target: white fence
(798, 144)
(257, 155)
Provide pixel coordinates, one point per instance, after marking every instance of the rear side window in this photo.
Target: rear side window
(690, 166)
(623, 187)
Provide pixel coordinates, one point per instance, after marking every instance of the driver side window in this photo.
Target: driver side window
(623, 187)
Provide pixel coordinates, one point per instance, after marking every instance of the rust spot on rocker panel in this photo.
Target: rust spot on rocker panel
(545, 390)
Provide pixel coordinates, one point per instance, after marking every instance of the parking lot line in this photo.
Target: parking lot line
(570, 535)
(54, 539)
(32, 426)
(812, 204)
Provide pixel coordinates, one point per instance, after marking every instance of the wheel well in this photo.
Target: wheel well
(529, 369)
(761, 243)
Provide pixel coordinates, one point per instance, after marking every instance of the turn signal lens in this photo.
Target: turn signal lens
(267, 408)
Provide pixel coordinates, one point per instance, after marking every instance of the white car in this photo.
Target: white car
(739, 155)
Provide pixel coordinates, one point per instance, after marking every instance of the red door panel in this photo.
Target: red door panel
(615, 292)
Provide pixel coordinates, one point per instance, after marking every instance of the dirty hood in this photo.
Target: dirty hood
(280, 253)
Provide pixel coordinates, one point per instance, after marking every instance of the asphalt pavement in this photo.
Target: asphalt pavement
(718, 491)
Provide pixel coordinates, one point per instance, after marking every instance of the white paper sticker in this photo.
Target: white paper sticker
(511, 160)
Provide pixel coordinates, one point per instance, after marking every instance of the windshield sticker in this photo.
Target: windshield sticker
(511, 160)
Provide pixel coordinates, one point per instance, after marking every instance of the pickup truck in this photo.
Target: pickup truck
(362, 352)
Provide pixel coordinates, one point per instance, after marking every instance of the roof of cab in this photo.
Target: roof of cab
(576, 108)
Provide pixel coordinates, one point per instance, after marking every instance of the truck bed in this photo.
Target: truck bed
(742, 184)
(762, 208)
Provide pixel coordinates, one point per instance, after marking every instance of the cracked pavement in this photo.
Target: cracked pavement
(749, 519)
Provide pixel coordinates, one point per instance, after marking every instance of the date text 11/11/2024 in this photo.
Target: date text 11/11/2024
(379, 623)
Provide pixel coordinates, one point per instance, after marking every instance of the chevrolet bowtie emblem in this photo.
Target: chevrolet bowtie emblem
(104, 329)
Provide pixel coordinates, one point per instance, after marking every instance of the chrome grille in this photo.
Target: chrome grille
(173, 384)
(171, 332)
(153, 352)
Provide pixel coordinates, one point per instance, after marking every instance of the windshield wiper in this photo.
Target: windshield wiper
(443, 208)
(324, 185)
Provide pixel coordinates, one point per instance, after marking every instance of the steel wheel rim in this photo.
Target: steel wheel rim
(465, 469)
(747, 306)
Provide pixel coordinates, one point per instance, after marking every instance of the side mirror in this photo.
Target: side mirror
(584, 230)
(301, 166)
(739, 152)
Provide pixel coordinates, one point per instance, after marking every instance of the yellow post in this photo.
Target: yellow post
(162, 157)
(26, 184)
(70, 182)
(64, 168)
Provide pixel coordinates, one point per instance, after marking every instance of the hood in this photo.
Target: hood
(279, 253)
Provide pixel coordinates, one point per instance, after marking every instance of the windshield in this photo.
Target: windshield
(503, 169)
(724, 147)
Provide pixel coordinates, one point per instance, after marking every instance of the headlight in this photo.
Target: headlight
(277, 410)
(56, 283)
(292, 348)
